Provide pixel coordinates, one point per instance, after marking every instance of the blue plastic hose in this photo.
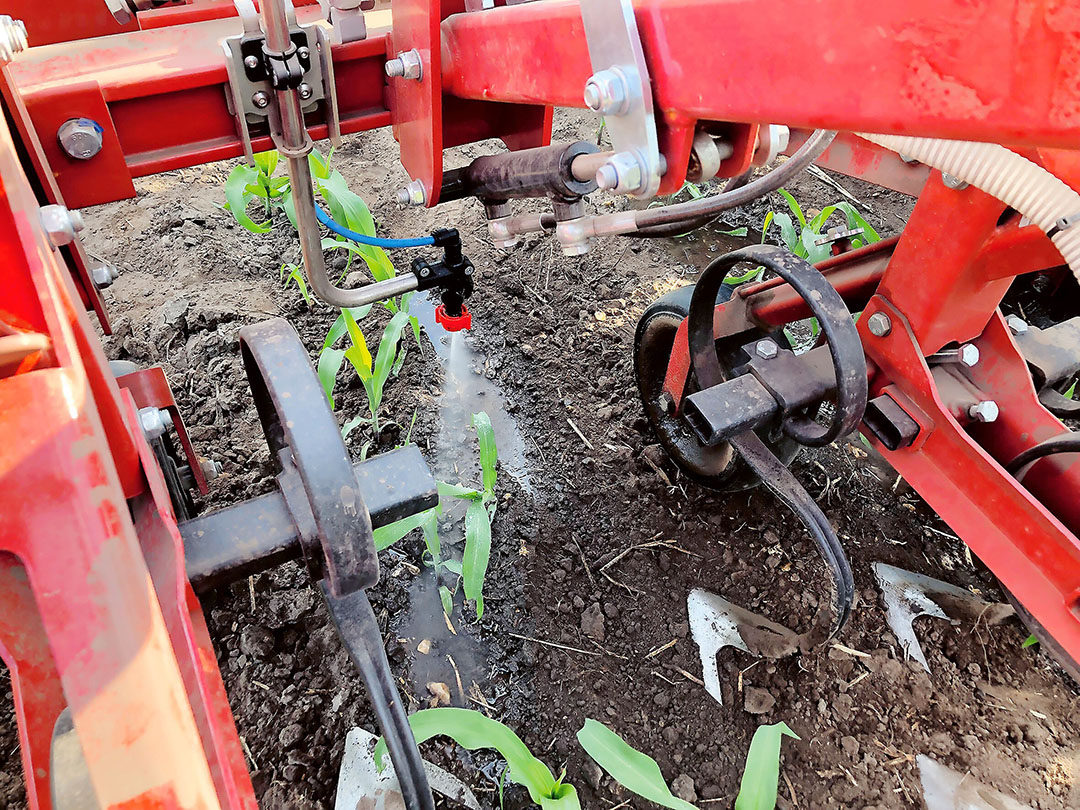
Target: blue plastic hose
(374, 241)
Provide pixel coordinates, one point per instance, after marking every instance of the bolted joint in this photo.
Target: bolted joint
(607, 92)
(968, 355)
(12, 38)
(412, 194)
(210, 469)
(766, 349)
(879, 324)
(155, 422)
(666, 402)
(305, 91)
(60, 224)
(622, 174)
(261, 99)
(985, 411)
(953, 182)
(406, 65)
(104, 275)
(80, 138)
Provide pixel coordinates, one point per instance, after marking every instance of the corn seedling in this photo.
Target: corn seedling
(761, 776)
(291, 272)
(629, 767)
(472, 730)
(471, 570)
(1030, 641)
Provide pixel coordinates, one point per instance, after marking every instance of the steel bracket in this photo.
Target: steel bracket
(253, 82)
(618, 60)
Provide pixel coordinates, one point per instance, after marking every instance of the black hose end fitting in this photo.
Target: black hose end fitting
(453, 274)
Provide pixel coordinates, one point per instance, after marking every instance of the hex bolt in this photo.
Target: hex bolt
(985, 411)
(104, 275)
(766, 349)
(260, 99)
(305, 91)
(606, 92)
(412, 194)
(80, 138)
(155, 421)
(251, 62)
(1016, 324)
(879, 324)
(60, 224)
(406, 65)
(968, 355)
(953, 182)
(12, 38)
(210, 468)
(666, 402)
(606, 177)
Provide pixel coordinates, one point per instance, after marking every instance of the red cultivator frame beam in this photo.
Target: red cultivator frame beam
(97, 613)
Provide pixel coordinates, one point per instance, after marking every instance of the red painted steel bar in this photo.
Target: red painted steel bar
(996, 70)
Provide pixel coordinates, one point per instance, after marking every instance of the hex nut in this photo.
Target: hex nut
(626, 171)
(60, 224)
(985, 411)
(879, 324)
(1016, 324)
(766, 349)
(412, 194)
(406, 65)
(155, 421)
(104, 275)
(607, 92)
(81, 138)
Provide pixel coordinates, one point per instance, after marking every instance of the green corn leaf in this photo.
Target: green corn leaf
(788, 235)
(629, 767)
(386, 536)
(762, 773)
(485, 436)
(289, 205)
(472, 730)
(399, 361)
(320, 166)
(237, 197)
(812, 252)
(267, 162)
(339, 327)
(330, 360)
(458, 491)
(1071, 392)
(736, 231)
(431, 535)
(1030, 641)
(384, 357)
(453, 566)
(818, 222)
(257, 190)
(474, 562)
(794, 206)
(856, 220)
(765, 225)
(350, 210)
(352, 425)
(447, 600)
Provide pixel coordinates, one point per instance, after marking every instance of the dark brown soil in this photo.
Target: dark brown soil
(555, 334)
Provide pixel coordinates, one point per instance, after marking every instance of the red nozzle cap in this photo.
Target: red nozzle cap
(451, 323)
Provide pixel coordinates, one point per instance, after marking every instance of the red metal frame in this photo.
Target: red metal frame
(106, 594)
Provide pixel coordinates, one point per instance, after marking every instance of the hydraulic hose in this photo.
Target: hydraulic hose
(1063, 443)
(680, 228)
(684, 215)
(374, 241)
(1019, 183)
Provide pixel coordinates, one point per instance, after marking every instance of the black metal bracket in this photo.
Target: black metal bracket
(453, 274)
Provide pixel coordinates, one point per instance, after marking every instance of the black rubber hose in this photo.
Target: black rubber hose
(680, 228)
(684, 215)
(1062, 443)
(359, 629)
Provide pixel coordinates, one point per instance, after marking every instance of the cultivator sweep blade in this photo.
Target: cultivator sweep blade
(909, 595)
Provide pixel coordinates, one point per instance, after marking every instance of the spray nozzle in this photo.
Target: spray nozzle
(453, 275)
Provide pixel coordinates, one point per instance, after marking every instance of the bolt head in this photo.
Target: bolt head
(104, 275)
(425, 272)
(260, 99)
(80, 138)
(60, 224)
(766, 349)
(305, 91)
(969, 355)
(303, 53)
(469, 270)
(666, 402)
(879, 324)
(985, 411)
(251, 62)
(155, 421)
(953, 182)
(210, 468)
(1016, 324)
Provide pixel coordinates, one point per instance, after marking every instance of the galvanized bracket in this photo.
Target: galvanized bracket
(620, 90)
(251, 96)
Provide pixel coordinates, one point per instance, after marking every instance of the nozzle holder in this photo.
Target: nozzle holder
(453, 323)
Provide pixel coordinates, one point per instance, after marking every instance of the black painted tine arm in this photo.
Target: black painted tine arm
(787, 488)
(359, 629)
